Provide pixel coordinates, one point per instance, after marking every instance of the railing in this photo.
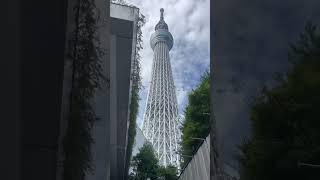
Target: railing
(224, 176)
(199, 166)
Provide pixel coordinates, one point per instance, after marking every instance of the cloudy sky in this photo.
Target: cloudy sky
(189, 24)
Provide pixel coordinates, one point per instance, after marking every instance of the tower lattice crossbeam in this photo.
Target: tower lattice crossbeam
(161, 121)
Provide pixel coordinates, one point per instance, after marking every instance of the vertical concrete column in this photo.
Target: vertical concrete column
(113, 107)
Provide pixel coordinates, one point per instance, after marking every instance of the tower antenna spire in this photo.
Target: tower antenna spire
(161, 13)
(161, 24)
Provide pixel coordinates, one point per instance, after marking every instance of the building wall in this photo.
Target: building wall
(199, 166)
(112, 101)
(101, 129)
(42, 42)
(120, 72)
(67, 84)
(10, 130)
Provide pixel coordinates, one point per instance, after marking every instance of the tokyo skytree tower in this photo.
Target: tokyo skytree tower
(161, 121)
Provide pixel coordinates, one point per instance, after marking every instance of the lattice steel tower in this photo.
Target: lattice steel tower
(161, 121)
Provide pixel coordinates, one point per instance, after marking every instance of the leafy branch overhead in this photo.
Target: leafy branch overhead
(285, 119)
(197, 119)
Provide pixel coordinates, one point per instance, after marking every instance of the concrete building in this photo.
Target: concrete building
(33, 60)
(110, 133)
(37, 93)
(117, 36)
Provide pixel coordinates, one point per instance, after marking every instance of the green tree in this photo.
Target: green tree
(285, 119)
(197, 119)
(136, 86)
(145, 164)
(168, 173)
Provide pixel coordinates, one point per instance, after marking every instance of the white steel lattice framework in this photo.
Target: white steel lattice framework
(161, 121)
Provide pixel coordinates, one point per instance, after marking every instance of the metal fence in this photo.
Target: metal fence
(225, 176)
(199, 167)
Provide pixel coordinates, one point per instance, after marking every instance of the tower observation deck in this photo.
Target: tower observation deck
(161, 120)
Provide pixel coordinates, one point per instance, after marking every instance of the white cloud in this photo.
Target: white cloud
(189, 23)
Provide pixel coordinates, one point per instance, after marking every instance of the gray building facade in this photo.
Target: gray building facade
(112, 103)
(37, 104)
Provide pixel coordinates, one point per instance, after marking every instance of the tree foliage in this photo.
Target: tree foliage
(197, 119)
(168, 173)
(146, 165)
(136, 86)
(285, 119)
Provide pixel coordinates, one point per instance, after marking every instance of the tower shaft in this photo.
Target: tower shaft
(160, 124)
